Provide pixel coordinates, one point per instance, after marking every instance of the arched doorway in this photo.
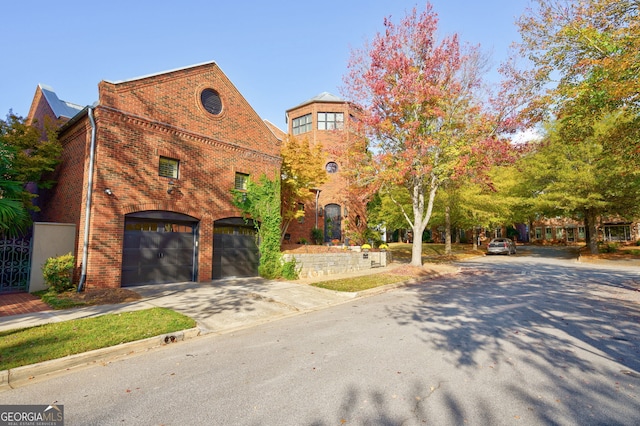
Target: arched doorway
(159, 247)
(332, 222)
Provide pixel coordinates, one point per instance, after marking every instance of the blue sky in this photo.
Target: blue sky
(277, 53)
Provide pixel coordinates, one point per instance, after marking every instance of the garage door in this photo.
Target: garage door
(235, 252)
(159, 247)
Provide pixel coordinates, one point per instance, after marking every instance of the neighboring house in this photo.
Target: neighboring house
(557, 230)
(563, 230)
(327, 119)
(147, 173)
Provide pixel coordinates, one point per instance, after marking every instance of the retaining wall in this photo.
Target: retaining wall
(327, 264)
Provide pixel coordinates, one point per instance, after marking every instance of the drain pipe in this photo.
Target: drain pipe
(317, 197)
(87, 210)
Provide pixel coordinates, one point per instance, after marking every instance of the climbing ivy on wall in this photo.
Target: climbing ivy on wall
(261, 202)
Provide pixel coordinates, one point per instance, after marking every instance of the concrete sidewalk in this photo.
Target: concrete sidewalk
(218, 306)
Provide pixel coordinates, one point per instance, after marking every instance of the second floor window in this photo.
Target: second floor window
(241, 181)
(330, 121)
(301, 124)
(168, 167)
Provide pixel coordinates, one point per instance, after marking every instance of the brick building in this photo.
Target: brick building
(327, 119)
(147, 174)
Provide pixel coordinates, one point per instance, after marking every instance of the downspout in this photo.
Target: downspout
(317, 197)
(87, 210)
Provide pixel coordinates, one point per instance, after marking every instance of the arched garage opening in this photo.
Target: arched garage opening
(235, 248)
(159, 247)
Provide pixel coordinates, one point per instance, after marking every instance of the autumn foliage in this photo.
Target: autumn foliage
(422, 114)
(302, 171)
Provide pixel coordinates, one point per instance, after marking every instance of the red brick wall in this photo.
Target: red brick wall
(139, 121)
(174, 99)
(334, 191)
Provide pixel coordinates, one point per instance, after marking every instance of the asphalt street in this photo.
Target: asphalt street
(526, 340)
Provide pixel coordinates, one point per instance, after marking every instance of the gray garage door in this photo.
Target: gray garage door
(159, 247)
(235, 251)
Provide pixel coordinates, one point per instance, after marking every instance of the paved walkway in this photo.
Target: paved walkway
(21, 303)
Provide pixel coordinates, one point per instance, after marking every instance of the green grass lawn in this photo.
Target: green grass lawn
(362, 283)
(56, 340)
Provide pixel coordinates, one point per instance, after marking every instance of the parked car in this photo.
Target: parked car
(501, 246)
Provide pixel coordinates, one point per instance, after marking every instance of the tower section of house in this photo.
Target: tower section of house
(327, 120)
(147, 176)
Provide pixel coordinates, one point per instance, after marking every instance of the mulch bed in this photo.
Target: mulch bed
(102, 296)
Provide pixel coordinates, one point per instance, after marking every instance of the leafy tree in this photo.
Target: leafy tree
(420, 111)
(302, 171)
(584, 78)
(261, 202)
(384, 208)
(579, 180)
(14, 217)
(24, 158)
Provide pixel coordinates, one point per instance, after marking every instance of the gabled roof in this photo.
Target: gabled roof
(59, 107)
(142, 77)
(278, 133)
(322, 97)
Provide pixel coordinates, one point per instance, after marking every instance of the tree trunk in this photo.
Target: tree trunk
(416, 249)
(474, 237)
(447, 230)
(420, 216)
(591, 229)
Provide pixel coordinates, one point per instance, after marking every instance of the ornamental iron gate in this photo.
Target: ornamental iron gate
(15, 264)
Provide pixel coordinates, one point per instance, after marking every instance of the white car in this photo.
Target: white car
(501, 246)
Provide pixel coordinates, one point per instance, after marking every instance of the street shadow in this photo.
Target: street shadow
(560, 320)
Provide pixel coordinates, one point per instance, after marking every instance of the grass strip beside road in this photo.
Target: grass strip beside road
(28, 346)
(362, 283)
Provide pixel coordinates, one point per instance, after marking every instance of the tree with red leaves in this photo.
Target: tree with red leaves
(422, 115)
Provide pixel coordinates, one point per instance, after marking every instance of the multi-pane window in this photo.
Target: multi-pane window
(538, 233)
(547, 234)
(581, 233)
(301, 124)
(168, 167)
(241, 181)
(330, 121)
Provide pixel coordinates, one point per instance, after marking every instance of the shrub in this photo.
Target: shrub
(609, 248)
(289, 270)
(317, 236)
(57, 272)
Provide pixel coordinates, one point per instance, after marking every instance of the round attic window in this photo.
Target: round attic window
(211, 101)
(331, 167)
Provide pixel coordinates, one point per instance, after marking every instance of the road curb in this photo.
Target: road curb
(27, 374)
